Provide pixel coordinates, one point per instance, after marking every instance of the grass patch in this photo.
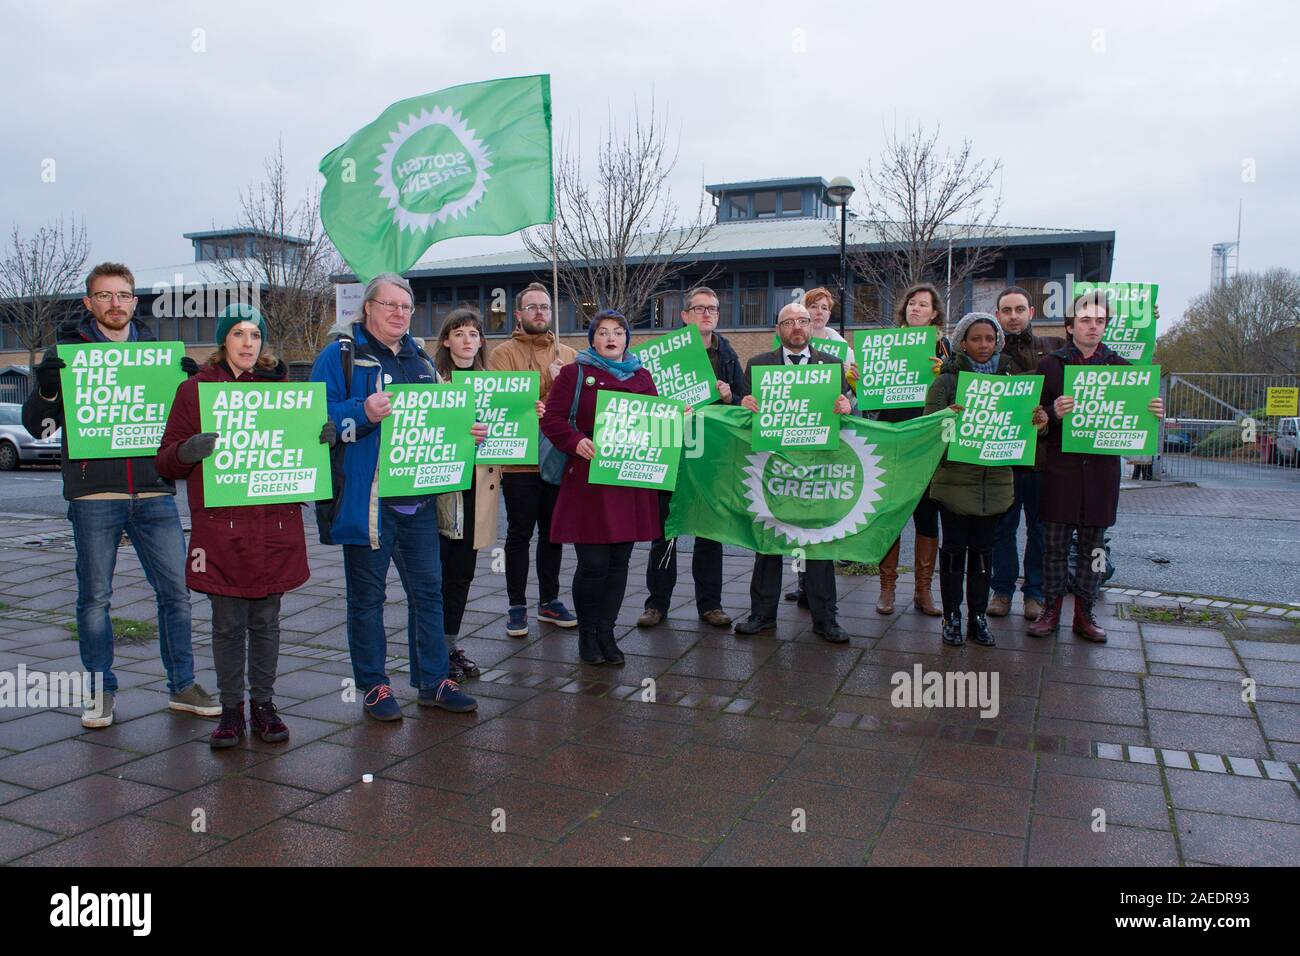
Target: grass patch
(857, 569)
(1193, 616)
(125, 631)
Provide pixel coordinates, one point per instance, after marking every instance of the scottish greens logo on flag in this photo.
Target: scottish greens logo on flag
(472, 160)
(847, 503)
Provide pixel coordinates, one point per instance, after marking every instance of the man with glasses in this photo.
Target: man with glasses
(706, 562)
(109, 496)
(530, 502)
(794, 328)
(376, 532)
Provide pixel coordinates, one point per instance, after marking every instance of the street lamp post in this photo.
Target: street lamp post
(838, 193)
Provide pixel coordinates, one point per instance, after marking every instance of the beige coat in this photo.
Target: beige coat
(524, 352)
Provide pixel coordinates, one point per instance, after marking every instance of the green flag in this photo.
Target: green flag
(848, 503)
(472, 160)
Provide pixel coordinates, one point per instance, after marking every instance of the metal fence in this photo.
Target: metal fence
(14, 387)
(1217, 425)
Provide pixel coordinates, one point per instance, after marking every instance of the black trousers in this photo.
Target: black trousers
(661, 572)
(458, 558)
(818, 582)
(966, 549)
(599, 584)
(245, 630)
(529, 505)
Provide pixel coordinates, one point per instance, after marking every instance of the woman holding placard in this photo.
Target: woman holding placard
(920, 306)
(244, 558)
(467, 520)
(602, 522)
(971, 498)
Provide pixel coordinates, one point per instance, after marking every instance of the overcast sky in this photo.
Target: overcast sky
(1144, 118)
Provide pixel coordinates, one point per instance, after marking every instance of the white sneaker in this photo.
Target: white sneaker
(195, 700)
(98, 711)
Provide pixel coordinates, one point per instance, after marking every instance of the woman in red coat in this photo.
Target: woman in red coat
(242, 558)
(602, 522)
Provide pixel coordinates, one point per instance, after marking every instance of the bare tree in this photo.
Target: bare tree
(291, 263)
(1249, 324)
(618, 235)
(920, 204)
(35, 278)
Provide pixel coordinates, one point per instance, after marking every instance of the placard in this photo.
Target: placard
(996, 423)
(426, 445)
(895, 366)
(796, 406)
(1110, 414)
(638, 441)
(1131, 328)
(507, 403)
(679, 364)
(117, 396)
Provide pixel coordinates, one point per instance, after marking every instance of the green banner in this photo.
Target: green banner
(470, 160)
(831, 347)
(796, 406)
(507, 402)
(638, 441)
(269, 450)
(894, 367)
(996, 426)
(1131, 328)
(1110, 414)
(426, 446)
(680, 367)
(117, 395)
(847, 504)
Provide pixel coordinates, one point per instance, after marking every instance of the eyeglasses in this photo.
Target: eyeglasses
(401, 307)
(106, 297)
(703, 309)
(534, 309)
(801, 323)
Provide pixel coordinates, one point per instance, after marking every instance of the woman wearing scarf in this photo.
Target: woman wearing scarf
(971, 498)
(602, 522)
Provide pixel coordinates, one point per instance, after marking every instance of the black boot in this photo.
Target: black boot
(978, 564)
(589, 651)
(608, 646)
(952, 566)
(952, 629)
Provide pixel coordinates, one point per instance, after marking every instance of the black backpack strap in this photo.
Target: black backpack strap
(345, 358)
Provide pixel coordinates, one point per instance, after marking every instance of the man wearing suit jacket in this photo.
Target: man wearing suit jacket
(794, 328)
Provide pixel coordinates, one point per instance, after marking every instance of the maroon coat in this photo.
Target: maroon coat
(1077, 489)
(586, 513)
(250, 551)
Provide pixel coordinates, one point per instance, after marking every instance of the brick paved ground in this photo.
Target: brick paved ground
(747, 738)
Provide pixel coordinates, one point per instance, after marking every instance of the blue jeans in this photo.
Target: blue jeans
(411, 542)
(155, 530)
(1006, 559)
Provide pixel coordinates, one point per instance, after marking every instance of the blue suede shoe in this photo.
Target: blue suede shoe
(380, 703)
(517, 621)
(448, 696)
(556, 613)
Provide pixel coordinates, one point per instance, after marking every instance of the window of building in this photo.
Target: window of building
(789, 288)
(764, 205)
(739, 207)
(422, 318)
(207, 330)
(791, 202)
(1033, 268)
(754, 312)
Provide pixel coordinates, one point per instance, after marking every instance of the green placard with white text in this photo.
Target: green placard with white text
(1131, 328)
(894, 367)
(425, 445)
(268, 447)
(679, 365)
(996, 424)
(507, 403)
(796, 406)
(117, 395)
(1110, 414)
(638, 441)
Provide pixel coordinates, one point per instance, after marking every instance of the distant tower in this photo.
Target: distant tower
(1223, 258)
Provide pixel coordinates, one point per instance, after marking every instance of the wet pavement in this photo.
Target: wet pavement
(706, 748)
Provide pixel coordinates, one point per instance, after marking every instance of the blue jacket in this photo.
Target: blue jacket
(358, 518)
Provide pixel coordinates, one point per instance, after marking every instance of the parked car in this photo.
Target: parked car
(1286, 445)
(18, 447)
(1177, 443)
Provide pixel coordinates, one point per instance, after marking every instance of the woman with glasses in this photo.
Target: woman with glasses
(602, 522)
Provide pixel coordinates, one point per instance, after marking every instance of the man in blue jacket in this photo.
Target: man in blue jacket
(374, 531)
(706, 563)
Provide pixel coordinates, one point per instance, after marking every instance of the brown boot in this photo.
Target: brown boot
(926, 550)
(888, 578)
(1048, 621)
(1085, 625)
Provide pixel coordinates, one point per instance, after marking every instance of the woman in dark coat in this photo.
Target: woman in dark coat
(602, 522)
(971, 498)
(920, 306)
(243, 558)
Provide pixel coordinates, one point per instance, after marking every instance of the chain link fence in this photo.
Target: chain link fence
(1218, 425)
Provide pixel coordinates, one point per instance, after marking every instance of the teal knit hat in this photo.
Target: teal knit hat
(232, 315)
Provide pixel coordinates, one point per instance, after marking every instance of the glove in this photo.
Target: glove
(47, 374)
(197, 447)
(328, 433)
(189, 366)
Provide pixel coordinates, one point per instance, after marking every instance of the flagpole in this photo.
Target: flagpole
(555, 278)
